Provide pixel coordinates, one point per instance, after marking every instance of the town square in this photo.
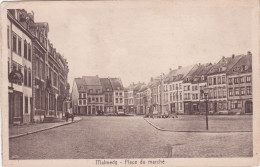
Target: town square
(131, 82)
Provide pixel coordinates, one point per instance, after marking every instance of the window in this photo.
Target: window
(29, 78)
(26, 104)
(84, 95)
(236, 91)
(210, 81)
(242, 79)
(14, 43)
(236, 80)
(180, 96)
(120, 93)
(55, 79)
(248, 78)
(121, 100)
(215, 93)
(230, 81)
(243, 91)
(220, 93)
(116, 100)
(25, 76)
(20, 69)
(19, 46)
(30, 53)
(8, 37)
(80, 102)
(106, 98)
(93, 99)
(84, 102)
(223, 80)
(97, 99)
(214, 81)
(80, 95)
(25, 49)
(224, 92)
(219, 79)
(101, 99)
(249, 90)
(89, 100)
(116, 93)
(230, 91)
(235, 104)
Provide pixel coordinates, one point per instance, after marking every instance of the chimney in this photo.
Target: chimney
(249, 53)
(151, 79)
(223, 57)
(170, 69)
(233, 56)
(179, 67)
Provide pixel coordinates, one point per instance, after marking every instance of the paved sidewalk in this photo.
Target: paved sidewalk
(217, 124)
(17, 131)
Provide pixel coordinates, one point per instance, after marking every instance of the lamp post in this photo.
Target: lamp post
(205, 93)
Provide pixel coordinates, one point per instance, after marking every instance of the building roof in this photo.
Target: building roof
(243, 65)
(80, 83)
(92, 80)
(116, 83)
(201, 71)
(224, 65)
(180, 73)
(106, 85)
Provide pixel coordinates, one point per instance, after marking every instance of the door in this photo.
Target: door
(215, 107)
(249, 107)
(172, 108)
(11, 108)
(21, 108)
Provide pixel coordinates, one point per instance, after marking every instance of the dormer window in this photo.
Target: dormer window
(107, 89)
(118, 88)
(202, 77)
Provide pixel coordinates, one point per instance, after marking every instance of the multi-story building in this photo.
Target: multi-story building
(217, 83)
(108, 95)
(176, 89)
(95, 102)
(79, 96)
(142, 103)
(19, 44)
(188, 90)
(29, 40)
(198, 83)
(118, 94)
(239, 86)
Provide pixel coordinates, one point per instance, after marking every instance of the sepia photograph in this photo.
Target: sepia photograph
(123, 83)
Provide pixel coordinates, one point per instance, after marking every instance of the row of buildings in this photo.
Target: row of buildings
(91, 95)
(228, 84)
(37, 73)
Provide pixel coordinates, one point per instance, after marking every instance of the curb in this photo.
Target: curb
(194, 131)
(40, 130)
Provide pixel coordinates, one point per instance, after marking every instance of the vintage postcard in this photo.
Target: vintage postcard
(130, 83)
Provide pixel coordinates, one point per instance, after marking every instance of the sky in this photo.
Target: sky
(139, 40)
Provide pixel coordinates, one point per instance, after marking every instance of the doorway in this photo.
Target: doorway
(248, 107)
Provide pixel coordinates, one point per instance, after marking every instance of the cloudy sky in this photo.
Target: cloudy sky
(138, 40)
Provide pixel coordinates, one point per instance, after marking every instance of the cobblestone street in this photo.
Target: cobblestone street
(126, 137)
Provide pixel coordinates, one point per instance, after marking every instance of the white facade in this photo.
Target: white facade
(20, 58)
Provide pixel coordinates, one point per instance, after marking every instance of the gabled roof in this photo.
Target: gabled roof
(106, 84)
(143, 88)
(116, 84)
(224, 65)
(201, 71)
(92, 80)
(244, 65)
(80, 83)
(180, 73)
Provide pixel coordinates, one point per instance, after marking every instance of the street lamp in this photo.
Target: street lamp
(205, 93)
